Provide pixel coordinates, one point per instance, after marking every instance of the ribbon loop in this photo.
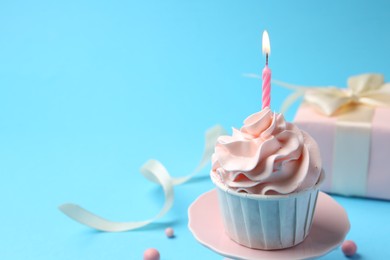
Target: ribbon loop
(365, 83)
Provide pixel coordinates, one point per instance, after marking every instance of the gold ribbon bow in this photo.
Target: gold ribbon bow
(367, 89)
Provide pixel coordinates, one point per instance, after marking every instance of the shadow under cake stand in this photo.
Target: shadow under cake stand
(328, 231)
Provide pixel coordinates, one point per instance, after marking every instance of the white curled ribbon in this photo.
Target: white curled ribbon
(155, 172)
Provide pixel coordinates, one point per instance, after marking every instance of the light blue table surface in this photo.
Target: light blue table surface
(90, 90)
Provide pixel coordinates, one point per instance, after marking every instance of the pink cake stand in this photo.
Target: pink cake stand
(330, 226)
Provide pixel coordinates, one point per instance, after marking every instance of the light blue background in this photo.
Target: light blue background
(90, 90)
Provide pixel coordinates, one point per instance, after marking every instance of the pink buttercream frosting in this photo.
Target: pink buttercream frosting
(267, 156)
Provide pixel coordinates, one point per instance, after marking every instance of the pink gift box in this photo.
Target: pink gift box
(374, 183)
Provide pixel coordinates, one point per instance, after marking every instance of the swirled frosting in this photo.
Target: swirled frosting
(267, 156)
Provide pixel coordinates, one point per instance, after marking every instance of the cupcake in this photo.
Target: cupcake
(267, 176)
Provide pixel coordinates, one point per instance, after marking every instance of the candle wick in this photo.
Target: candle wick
(266, 59)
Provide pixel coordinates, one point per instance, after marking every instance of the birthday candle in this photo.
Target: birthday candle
(266, 72)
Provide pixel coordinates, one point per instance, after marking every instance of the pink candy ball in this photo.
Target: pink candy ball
(151, 254)
(349, 248)
(169, 232)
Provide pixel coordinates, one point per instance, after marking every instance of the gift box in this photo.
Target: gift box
(352, 128)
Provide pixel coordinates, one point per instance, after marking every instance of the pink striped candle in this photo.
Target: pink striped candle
(266, 87)
(266, 72)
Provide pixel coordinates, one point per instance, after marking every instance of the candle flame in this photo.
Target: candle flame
(266, 44)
